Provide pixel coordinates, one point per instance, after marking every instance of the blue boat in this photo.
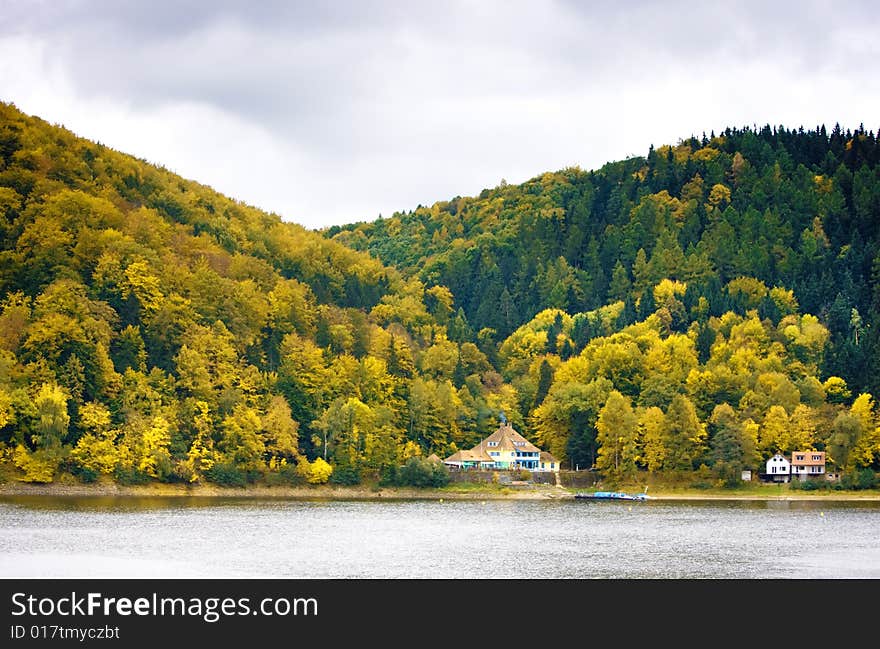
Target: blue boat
(612, 495)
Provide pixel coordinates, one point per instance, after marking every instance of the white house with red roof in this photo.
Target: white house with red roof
(802, 466)
(807, 464)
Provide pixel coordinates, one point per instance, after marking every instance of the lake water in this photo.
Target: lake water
(243, 538)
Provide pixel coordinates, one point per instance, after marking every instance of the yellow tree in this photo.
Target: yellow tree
(201, 455)
(775, 433)
(866, 448)
(803, 428)
(651, 438)
(152, 454)
(617, 438)
(96, 449)
(49, 428)
(280, 429)
(684, 435)
(241, 443)
(343, 426)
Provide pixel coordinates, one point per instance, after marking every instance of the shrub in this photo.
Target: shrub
(345, 475)
(130, 476)
(227, 475)
(864, 479)
(286, 475)
(317, 472)
(702, 478)
(84, 474)
(39, 465)
(810, 485)
(420, 472)
(727, 475)
(388, 476)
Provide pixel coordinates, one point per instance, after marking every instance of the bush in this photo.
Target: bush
(38, 466)
(727, 475)
(864, 479)
(83, 474)
(317, 472)
(286, 475)
(130, 476)
(227, 475)
(388, 476)
(810, 485)
(420, 472)
(702, 478)
(345, 475)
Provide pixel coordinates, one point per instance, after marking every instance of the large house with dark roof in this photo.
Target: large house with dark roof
(504, 449)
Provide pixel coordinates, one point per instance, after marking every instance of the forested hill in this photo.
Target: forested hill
(690, 314)
(798, 209)
(151, 328)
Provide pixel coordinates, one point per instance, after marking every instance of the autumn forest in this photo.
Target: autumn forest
(686, 313)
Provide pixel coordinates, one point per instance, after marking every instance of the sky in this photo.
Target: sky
(341, 111)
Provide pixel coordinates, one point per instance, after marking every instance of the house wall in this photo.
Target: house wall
(807, 472)
(504, 459)
(782, 468)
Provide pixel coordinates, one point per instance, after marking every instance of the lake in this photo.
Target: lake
(176, 537)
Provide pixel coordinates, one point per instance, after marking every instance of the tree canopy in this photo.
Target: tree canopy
(706, 305)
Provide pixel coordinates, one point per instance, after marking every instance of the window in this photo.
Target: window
(493, 443)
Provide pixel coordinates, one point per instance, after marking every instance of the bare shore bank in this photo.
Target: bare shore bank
(330, 492)
(322, 492)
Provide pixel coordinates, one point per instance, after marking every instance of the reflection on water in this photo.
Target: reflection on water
(173, 537)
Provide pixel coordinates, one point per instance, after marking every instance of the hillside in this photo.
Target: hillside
(688, 313)
(151, 328)
(798, 209)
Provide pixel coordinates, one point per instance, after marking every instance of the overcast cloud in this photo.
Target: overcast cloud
(333, 112)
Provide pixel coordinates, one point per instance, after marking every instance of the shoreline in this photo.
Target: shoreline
(325, 492)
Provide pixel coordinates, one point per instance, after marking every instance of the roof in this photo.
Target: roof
(547, 457)
(433, 458)
(808, 458)
(473, 455)
(508, 440)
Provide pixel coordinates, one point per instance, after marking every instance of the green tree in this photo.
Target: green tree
(683, 434)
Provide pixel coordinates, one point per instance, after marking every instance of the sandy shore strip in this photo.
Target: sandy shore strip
(306, 493)
(329, 492)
